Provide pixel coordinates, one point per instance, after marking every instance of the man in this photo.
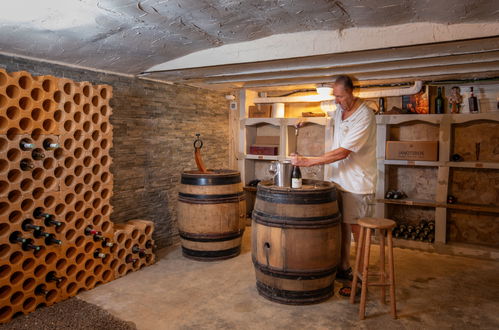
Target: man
(353, 161)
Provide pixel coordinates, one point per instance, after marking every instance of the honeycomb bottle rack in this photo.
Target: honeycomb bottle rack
(55, 138)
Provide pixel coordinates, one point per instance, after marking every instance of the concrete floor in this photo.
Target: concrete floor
(433, 291)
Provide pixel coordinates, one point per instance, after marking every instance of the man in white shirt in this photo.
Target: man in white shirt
(353, 162)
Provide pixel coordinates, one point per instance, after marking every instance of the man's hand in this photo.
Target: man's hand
(300, 160)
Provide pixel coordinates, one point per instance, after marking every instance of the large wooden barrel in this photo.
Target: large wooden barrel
(211, 214)
(296, 242)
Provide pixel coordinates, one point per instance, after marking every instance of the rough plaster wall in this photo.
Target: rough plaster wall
(154, 127)
(131, 35)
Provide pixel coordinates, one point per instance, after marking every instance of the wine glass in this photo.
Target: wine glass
(272, 170)
(313, 171)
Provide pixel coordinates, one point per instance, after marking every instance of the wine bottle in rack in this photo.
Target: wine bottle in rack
(131, 260)
(49, 144)
(50, 221)
(94, 233)
(52, 277)
(38, 154)
(149, 244)
(98, 254)
(26, 144)
(107, 243)
(51, 240)
(26, 243)
(28, 225)
(41, 290)
(26, 165)
(137, 249)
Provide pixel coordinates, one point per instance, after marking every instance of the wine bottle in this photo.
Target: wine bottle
(40, 233)
(92, 232)
(439, 102)
(50, 239)
(431, 225)
(52, 277)
(48, 144)
(296, 180)
(40, 214)
(40, 290)
(50, 221)
(28, 225)
(382, 105)
(107, 243)
(26, 243)
(141, 252)
(473, 102)
(98, 254)
(410, 229)
(26, 165)
(149, 244)
(38, 154)
(131, 260)
(431, 238)
(25, 144)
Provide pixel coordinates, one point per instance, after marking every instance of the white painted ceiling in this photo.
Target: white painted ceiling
(131, 36)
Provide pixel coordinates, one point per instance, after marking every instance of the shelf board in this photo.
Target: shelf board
(489, 165)
(411, 244)
(436, 118)
(411, 162)
(256, 121)
(473, 207)
(313, 120)
(409, 201)
(261, 157)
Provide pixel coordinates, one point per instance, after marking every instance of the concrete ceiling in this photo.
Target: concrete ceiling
(131, 36)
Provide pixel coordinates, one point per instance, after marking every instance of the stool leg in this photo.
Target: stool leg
(382, 263)
(356, 268)
(363, 296)
(392, 275)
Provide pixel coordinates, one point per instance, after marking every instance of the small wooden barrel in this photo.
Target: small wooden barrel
(296, 242)
(211, 214)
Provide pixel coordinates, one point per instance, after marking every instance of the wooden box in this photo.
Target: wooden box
(412, 150)
(260, 111)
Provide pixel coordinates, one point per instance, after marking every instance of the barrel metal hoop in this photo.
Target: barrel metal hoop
(294, 275)
(211, 237)
(211, 181)
(211, 199)
(211, 255)
(294, 297)
(297, 223)
(285, 197)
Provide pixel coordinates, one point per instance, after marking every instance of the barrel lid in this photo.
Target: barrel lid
(213, 177)
(308, 185)
(321, 192)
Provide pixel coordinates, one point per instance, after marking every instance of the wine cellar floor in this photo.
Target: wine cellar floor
(433, 291)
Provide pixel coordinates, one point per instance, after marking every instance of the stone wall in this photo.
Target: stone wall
(154, 127)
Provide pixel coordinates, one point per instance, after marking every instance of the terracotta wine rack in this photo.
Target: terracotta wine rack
(70, 181)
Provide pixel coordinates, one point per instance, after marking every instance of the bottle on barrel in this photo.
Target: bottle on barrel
(439, 102)
(94, 233)
(26, 243)
(296, 179)
(25, 144)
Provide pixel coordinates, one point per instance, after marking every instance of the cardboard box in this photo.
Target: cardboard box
(412, 150)
(260, 111)
(265, 145)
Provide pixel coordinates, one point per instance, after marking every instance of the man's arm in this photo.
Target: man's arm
(329, 157)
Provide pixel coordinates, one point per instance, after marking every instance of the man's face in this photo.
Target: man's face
(342, 97)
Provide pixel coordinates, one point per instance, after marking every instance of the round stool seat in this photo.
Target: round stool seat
(376, 223)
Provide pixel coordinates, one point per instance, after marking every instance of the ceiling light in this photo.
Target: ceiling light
(324, 89)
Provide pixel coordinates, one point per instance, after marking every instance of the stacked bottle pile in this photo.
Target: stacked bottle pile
(133, 246)
(424, 231)
(56, 237)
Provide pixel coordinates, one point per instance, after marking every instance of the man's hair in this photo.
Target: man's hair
(345, 81)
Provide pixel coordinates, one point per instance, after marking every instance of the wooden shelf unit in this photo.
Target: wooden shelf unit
(250, 165)
(445, 122)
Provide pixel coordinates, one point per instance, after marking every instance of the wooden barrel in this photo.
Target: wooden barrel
(296, 242)
(211, 214)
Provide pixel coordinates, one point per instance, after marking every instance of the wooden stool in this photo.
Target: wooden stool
(367, 225)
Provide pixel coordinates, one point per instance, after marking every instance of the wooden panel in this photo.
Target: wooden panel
(416, 182)
(472, 227)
